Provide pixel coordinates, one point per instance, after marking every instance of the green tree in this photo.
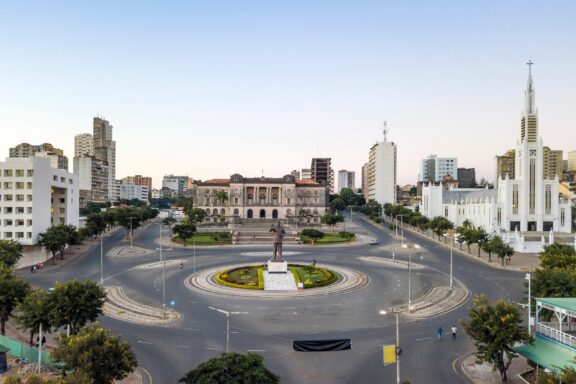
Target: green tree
(10, 252)
(337, 204)
(54, 240)
(129, 218)
(503, 251)
(440, 225)
(554, 283)
(493, 243)
(72, 235)
(196, 215)
(312, 234)
(221, 196)
(97, 222)
(481, 237)
(558, 256)
(33, 311)
(495, 330)
(232, 368)
(75, 302)
(12, 291)
(184, 231)
(96, 354)
(332, 219)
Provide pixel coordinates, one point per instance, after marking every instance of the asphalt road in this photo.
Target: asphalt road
(270, 326)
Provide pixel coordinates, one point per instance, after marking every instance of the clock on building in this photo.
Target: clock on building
(532, 152)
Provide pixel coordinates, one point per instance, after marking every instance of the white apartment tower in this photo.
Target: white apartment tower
(381, 172)
(346, 179)
(434, 168)
(83, 145)
(35, 196)
(105, 149)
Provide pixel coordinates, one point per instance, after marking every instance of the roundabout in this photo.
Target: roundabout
(349, 280)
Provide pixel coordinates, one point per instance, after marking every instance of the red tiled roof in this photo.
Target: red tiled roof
(307, 182)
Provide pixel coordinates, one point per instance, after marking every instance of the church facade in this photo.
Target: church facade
(262, 199)
(527, 202)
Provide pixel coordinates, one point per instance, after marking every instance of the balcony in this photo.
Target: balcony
(546, 329)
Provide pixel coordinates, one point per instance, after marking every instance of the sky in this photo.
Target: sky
(212, 88)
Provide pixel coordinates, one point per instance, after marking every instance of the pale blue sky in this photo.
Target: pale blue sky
(211, 88)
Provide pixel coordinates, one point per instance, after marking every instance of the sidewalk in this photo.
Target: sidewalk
(485, 374)
(520, 261)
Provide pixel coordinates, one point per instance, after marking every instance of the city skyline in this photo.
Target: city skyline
(209, 90)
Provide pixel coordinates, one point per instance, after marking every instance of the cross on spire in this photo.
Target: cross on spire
(529, 64)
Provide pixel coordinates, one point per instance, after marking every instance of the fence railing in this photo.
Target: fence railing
(555, 334)
(23, 351)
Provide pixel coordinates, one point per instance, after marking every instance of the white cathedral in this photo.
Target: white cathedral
(526, 203)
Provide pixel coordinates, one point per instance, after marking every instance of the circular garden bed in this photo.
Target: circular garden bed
(252, 277)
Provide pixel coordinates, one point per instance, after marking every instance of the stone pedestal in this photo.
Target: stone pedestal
(277, 266)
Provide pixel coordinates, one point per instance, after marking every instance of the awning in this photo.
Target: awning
(548, 353)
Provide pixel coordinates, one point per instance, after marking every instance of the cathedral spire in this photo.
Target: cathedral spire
(529, 96)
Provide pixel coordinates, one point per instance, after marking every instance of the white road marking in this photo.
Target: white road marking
(215, 349)
(256, 350)
(181, 346)
(424, 338)
(144, 342)
(233, 332)
(191, 329)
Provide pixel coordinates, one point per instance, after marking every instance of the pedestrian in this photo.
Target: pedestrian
(34, 268)
(453, 330)
(253, 235)
(313, 262)
(440, 331)
(31, 269)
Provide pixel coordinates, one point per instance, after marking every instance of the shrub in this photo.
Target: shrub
(313, 233)
(346, 235)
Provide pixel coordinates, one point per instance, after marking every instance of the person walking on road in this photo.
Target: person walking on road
(440, 331)
(453, 330)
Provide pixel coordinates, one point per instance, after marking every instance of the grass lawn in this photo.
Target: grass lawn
(329, 238)
(313, 277)
(245, 277)
(215, 238)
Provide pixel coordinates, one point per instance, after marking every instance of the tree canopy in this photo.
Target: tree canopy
(12, 291)
(33, 311)
(232, 368)
(10, 252)
(495, 330)
(75, 303)
(93, 352)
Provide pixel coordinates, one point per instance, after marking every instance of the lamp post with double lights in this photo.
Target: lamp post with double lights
(452, 239)
(102, 259)
(163, 259)
(384, 312)
(410, 247)
(227, 313)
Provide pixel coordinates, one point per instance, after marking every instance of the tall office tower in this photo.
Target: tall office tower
(466, 178)
(435, 168)
(105, 149)
(505, 166)
(143, 180)
(553, 163)
(382, 172)
(47, 150)
(306, 174)
(365, 181)
(83, 145)
(320, 169)
(572, 161)
(346, 179)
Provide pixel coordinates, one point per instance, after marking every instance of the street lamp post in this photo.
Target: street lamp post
(131, 231)
(227, 313)
(528, 277)
(102, 259)
(383, 312)
(410, 247)
(163, 259)
(451, 252)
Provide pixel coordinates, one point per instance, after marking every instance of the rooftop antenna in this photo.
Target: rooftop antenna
(385, 130)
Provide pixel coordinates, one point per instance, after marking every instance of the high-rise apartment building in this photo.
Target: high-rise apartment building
(434, 168)
(177, 184)
(83, 145)
(505, 165)
(346, 179)
(466, 178)
(46, 150)
(365, 181)
(553, 163)
(382, 172)
(322, 172)
(35, 196)
(105, 149)
(572, 161)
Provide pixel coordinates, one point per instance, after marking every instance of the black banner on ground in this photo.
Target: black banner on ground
(322, 345)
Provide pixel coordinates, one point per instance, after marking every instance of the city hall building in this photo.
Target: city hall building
(262, 199)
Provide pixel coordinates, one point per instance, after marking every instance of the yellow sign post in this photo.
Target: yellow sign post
(389, 354)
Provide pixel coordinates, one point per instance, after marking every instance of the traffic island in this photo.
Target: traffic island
(119, 306)
(436, 301)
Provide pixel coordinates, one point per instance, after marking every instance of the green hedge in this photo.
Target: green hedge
(220, 280)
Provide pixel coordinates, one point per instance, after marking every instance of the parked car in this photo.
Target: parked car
(374, 242)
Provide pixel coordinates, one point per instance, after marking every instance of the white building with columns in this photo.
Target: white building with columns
(526, 203)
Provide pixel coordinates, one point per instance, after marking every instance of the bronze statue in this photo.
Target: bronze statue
(278, 236)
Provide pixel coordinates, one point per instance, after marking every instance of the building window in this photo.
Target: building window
(548, 200)
(28, 235)
(7, 209)
(29, 185)
(62, 179)
(19, 235)
(29, 222)
(30, 172)
(8, 173)
(62, 200)
(19, 197)
(70, 181)
(28, 209)
(8, 197)
(61, 210)
(8, 185)
(55, 178)
(19, 173)
(445, 211)
(29, 197)
(515, 199)
(499, 216)
(20, 210)
(562, 217)
(8, 235)
(19, 185)
(19, 222)
(8, 222)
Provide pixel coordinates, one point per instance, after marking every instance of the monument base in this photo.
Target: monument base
(277, 266)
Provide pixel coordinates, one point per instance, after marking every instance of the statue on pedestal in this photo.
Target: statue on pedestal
(278, 236)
